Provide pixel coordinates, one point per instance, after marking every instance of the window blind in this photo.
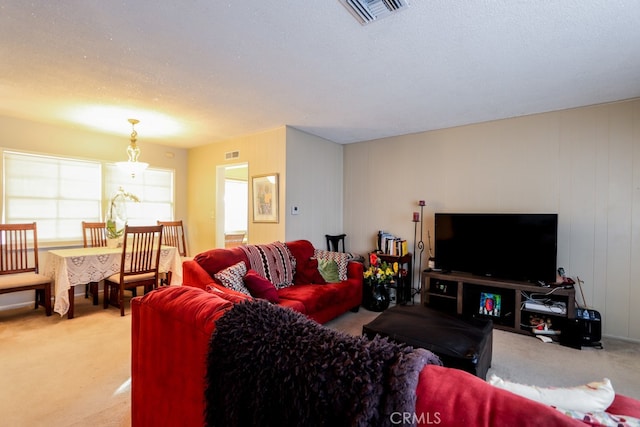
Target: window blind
(59, 193)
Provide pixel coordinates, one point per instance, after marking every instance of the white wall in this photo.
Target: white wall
(583, 164)
(314, 185)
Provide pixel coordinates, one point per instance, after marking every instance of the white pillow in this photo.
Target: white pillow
(232, 277)
(592, 397)
(341, 258)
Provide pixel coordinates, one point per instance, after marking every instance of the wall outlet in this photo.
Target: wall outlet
(295, 210)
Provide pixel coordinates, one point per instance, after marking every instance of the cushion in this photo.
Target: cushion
(301, 249)
(306, 265)
(218, 259)
(293, 304)
(328, 268)
(227, 294)
(307, 272)
(231, 277)
(272, 261)
(10, 281)
(318, 298)
(592, 397)
(456, 398)
(261, 287)
(341, 258)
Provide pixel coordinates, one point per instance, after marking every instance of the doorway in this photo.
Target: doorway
(232, 204)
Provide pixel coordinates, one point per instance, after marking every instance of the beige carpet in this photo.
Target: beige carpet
(526, 359)
(60, 372)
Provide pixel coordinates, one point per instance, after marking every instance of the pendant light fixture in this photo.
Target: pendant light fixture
(132, 165)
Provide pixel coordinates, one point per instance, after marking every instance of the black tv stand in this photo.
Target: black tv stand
(460, 293)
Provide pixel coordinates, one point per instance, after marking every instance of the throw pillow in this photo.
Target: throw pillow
(328, 268)
(341, 258)
(231, 277)
(272, 261)
(592, 397)
(307, 272)
(261, 287)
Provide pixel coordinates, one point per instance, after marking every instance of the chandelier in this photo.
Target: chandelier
(132, 165)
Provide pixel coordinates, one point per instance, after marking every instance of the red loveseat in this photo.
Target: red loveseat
(171, 330)
(309, 295)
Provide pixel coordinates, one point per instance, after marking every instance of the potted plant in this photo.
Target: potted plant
(116, 216)
(377, 278)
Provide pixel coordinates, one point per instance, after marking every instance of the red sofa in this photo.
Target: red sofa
(171, 329)
(320, 303)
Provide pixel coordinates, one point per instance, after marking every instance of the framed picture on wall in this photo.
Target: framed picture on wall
(265, 197)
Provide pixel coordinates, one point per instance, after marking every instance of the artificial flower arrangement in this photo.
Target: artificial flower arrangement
(116, 217)
(380, 271)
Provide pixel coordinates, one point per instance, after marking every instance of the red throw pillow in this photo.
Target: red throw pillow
(307, 273)
(260, 287)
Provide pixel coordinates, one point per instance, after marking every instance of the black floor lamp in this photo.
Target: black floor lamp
(418, 245)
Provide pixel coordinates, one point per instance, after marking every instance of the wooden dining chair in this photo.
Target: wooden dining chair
(19, 263)
(139, 265)
(231, 240)
(334, 242)
(173, 235)
(94, 235)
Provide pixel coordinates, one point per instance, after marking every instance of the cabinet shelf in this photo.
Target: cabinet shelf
(546, 313)
(437, 295)
(465, 295)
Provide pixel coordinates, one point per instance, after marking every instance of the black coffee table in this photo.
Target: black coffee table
(460, 343)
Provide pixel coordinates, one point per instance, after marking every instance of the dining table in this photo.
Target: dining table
(79, 266)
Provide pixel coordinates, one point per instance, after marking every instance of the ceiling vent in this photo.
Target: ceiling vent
(367, 11)
(231, 155)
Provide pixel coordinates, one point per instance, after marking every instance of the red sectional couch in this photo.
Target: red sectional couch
(310, 294)
(172, 327)
(171, 330)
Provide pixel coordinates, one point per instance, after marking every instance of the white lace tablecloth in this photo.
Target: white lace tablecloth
(78, 266)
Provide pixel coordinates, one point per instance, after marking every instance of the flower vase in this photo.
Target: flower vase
(376, 296)
(116, 216)
(115, 229)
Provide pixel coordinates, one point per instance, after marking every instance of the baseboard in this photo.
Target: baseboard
(17, 305)
(79, 292)
(627, 339)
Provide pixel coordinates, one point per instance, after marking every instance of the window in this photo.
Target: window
(154, 187)
(59, 193)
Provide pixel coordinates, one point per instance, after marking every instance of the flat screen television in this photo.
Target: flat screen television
(511, 246)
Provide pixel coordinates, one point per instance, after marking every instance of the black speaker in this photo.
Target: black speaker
(585, 330)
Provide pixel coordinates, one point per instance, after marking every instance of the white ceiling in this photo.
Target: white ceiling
(221, 69)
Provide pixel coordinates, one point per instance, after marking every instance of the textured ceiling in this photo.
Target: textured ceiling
(215, 70)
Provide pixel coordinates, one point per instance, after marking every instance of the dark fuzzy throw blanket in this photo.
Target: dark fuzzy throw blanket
(271, 366)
